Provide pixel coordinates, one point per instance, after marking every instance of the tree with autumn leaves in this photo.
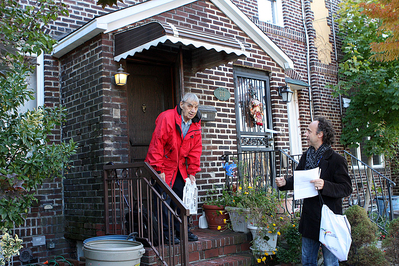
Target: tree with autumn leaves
(387, 12)
(372, 85)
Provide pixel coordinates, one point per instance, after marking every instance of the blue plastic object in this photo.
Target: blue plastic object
(230, 169)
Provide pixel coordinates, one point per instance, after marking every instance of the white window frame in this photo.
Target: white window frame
(39, 86)
(359, 156)
(277, 7)
(294, 127)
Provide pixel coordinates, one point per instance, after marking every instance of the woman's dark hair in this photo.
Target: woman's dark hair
(326, 127)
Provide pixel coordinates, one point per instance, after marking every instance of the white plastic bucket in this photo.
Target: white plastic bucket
(110, 237)
(113, 253)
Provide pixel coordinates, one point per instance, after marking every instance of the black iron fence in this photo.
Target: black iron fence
(371, 189)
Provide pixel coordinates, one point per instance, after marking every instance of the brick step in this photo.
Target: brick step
(211, 245)
(245, 259)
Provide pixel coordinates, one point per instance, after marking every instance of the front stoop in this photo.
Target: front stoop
(225, 248)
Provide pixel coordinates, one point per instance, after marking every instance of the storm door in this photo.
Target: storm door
(150, 92)
(253, 111)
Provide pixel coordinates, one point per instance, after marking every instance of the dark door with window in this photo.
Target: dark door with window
(150, 92)
(253, 110)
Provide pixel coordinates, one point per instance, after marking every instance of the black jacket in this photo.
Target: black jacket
(337, 185)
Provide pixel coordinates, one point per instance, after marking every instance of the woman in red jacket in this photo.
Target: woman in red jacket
(176, 148)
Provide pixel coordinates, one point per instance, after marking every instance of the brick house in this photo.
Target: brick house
(225, 51)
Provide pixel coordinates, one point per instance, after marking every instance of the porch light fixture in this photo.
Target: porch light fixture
(286, 93)
(120, 77)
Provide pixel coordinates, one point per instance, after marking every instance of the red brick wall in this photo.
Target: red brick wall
(83, 76)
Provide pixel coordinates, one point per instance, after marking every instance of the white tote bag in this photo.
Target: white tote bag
(190, 196)
(335, 233)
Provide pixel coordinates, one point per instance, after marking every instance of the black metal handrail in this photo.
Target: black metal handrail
(133, 204)
(367, 182)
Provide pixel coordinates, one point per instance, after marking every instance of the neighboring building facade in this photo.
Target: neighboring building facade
(228, 52)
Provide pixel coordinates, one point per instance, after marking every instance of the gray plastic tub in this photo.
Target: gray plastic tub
(113, 253)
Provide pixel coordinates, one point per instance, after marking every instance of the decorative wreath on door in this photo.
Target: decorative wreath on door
(256, 111)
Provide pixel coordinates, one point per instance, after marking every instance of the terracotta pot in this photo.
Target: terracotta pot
(216, 216)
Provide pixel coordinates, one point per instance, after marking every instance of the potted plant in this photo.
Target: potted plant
(215, 213)
(263, 220)
(236, 207)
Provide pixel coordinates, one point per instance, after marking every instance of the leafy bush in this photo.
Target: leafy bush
(363, 250)
(289, 247)
(391, 242)
(28, 153)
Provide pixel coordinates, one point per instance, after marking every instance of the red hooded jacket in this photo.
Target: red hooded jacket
(169, 152)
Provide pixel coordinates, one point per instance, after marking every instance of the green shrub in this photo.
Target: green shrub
(289, 247)
(363, 250)
(391, 242)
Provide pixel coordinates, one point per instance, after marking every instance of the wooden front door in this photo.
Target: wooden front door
(150, 92)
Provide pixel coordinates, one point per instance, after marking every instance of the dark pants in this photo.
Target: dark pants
(178, 187)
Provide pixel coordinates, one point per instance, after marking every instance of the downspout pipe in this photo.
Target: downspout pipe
(336, 58)
(307, 59)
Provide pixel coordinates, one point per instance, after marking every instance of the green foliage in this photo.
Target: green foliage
(27, 154)
(372, 86)
(10, 246)
(214, 197)
(289, 247)
(364, 231)
(391, 242)
(368, 256)
(363, 250)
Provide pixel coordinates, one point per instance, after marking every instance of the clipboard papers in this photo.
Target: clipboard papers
(302, 187)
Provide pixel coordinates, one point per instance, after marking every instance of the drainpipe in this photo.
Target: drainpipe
(307, 59)
(336, 59)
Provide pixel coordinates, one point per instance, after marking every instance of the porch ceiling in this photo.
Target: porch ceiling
(207, 48)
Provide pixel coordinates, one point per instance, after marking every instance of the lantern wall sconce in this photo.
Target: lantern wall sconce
(120, 77)
(286, 93)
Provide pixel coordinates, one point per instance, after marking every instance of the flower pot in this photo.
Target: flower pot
(216, 216)
(259, 241)
(238, 219)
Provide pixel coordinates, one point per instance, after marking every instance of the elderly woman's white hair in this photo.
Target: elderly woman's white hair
(190, 97)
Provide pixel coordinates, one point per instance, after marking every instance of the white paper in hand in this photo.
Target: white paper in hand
(302, 187)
